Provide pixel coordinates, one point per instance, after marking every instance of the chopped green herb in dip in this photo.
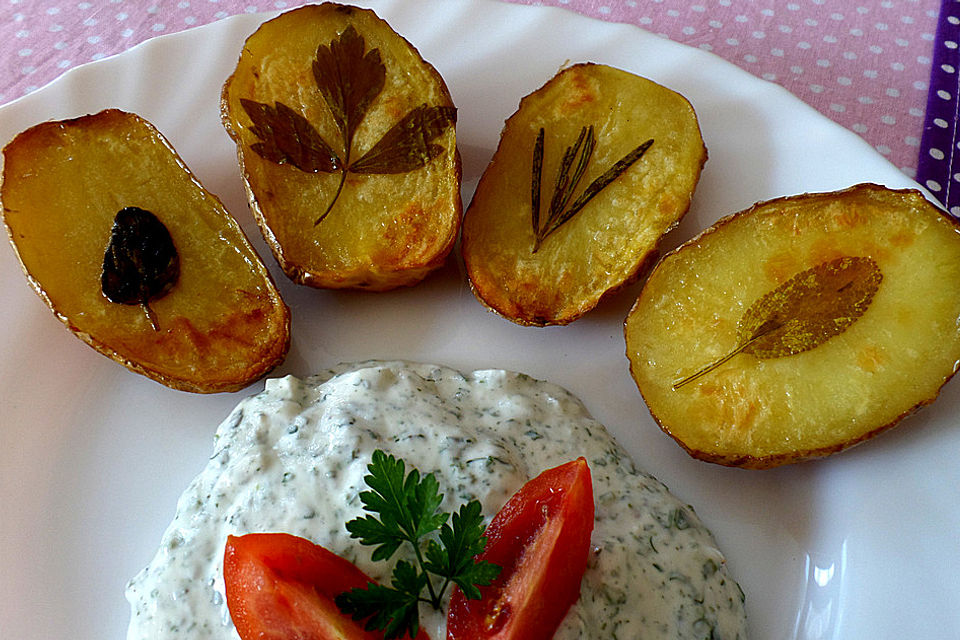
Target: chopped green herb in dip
(293, 457)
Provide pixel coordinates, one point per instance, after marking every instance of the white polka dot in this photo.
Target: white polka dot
(830, 39)
(944, 95)
(93, 39)
(785, 28)
(90, 22)
(121, 17)
(706, 47)
(844, 81)
(27, 70)
(750, 58)
(60, 46)
(823, 63)
(698, 8)
(856, 32)
(860, 128)
(876, 49)
(936, 154)
(63, 64)
(55, 28)
(870, 73)
(940, 122)
(907, 19)
(759, 35)
(797, 69)
(732, 42)
(772, 77)
(767, 12)
(688, 31)
(604, 10)
(884, 149)
(836, 16)
(816, 88)
(98, 56)
(865, 100)
(837, 107)
(953, 19)
(888, 120)
(810, 22)
(915, 112)
(183, 5)
(793, 6)
(849, 55)
(881, 26)
(84, 5)
(933, 185)
(862, 10)
(803, 45)
(955, 210)
(776, 53)
(23, 33)
(673, 13)
(715, 24)
(646, 20)
(956, 177)
(927, 36)
(902, 43)
(950, 44)
(23, 53)
(920, 85)
(912, 141)
(191, 20)
(126, 33)
(159, 26)
(741, 18)
(52, 11)
(923, 60)
(949, 68)
(893, 92)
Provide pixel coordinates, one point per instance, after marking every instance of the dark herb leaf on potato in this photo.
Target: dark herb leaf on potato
(141, 262)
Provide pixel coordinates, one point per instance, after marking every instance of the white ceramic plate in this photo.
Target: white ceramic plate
(93, 457)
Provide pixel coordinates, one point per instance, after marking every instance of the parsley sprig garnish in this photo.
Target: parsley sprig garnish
(406, 508)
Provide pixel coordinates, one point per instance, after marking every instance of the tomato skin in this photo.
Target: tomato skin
(541, 539)
(281, 587)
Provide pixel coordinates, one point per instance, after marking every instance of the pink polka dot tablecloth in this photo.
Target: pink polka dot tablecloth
(866, 64)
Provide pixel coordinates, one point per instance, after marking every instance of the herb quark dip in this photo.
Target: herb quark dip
(292, 459)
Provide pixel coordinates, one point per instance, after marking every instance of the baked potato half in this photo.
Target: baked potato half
(91, 205)
(800, 327)
(346, 139)
(591, 171)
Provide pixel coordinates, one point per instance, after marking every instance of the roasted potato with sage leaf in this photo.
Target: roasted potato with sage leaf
(347, 146)
(136, 257)
(591, 171)
(801, 326)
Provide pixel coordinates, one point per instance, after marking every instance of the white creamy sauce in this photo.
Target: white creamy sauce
(292, 459)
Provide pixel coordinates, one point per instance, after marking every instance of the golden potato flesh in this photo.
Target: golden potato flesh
(220, 327)
(857, 370)
(385, 229)
(536, 280)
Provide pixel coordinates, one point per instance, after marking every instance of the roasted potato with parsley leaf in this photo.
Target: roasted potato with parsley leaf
(801, 326)
(347, 145)
(591, 171)
(136, 257)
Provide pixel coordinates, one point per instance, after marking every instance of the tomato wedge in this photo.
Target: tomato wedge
(541, 539)
(281, 587)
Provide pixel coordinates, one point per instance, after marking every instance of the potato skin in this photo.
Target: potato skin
(612, 241)
(222, 326)
(760, 414)
(385, 231)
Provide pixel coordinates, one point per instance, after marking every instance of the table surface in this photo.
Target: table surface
(866, 64)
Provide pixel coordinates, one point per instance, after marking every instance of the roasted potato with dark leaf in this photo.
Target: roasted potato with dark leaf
(591, 171)
(136, 257)
(801, 326)
(347, 144)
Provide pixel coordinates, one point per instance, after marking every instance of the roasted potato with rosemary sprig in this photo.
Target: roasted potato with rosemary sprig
(136, 257)
(347, 145)
(801, 326)
(591, 171)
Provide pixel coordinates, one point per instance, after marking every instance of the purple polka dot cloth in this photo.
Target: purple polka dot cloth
(865, 64)
(939, 162)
